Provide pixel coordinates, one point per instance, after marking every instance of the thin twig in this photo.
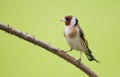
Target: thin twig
(58, 52)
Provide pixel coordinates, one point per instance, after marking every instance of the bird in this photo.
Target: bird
(75, 37)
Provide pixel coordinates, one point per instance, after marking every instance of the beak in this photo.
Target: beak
(63, 20)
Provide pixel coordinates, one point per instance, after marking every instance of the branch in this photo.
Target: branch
(48, 47)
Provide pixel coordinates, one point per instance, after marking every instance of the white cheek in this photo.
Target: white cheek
(73, 21)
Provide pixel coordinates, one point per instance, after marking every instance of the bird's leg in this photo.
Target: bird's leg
(69, 50)
(79, 60)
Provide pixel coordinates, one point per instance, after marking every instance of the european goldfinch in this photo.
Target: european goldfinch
(76, 38)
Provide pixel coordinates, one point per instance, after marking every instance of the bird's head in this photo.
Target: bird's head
(70, 20)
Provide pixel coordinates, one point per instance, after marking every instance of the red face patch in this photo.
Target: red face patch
(68, 20)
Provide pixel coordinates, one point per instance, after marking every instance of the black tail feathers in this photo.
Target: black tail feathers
(91, 57)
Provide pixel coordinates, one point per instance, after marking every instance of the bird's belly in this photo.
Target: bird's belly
(74, 43)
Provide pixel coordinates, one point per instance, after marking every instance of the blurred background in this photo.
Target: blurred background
(100, 21)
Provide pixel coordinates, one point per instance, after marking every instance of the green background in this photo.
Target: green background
(100, 20)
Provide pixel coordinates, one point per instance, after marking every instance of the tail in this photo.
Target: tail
(91, 57)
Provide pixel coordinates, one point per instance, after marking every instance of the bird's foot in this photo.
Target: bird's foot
(69, 50)
(79, 60)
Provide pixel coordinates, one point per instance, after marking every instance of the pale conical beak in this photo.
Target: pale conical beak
(63, 20)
